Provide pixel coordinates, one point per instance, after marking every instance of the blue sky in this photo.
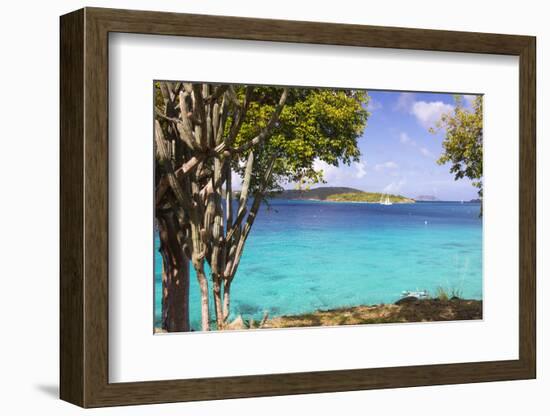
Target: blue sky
(398, 153)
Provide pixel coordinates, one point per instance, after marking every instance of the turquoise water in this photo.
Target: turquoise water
(305, 255)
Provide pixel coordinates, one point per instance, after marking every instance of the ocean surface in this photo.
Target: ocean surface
(303, 256)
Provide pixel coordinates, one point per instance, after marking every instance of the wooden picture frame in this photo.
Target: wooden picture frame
(84, 207)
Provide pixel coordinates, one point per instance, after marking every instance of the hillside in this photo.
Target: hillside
(372, 197)
(426, 198)
(320, 194)
(340, 194)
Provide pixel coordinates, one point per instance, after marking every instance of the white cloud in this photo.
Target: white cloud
(404, 102)
(329, 172)
(386, 165)
(335, 174)
(236, 181)
(361, 169)
(405, 138)
(469, 100)
(427, 113)
(373, 105)
(426, 152)
(394, 187)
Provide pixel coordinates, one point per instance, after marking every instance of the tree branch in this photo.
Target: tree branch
(220, 90)
(166, 92)
(267, 129)
(198, 111)
(220, 126)
(164, 160)
(246, 185)
(241, 111)
(185, 134)
(186, 125)
(250, 219)
(228, 199)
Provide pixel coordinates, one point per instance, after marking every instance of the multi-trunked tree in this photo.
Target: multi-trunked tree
(207, 133)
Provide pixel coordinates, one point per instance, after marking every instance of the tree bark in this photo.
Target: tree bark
(203, 285)
(226, 299)
(193, 172)
(218, 302)
(175, 280)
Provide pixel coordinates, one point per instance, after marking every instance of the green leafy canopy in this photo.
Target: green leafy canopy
(315, 124)
(463, 142)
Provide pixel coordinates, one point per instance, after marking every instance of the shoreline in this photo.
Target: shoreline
(341, 202)
(405, 310)
(365, 202)
(375, 202)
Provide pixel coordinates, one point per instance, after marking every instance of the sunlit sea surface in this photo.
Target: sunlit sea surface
(303, 256)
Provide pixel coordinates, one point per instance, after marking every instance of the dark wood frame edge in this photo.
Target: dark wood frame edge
(84, 207)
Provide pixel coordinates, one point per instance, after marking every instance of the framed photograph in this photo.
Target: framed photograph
(260, 207)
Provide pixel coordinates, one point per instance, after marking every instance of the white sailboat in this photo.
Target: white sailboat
(385, 201)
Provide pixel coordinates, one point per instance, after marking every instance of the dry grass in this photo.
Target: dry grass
(426, 310)
(444, 307)
(447, 294)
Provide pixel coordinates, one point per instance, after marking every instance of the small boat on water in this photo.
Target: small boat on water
(385, 201)
(420, 294)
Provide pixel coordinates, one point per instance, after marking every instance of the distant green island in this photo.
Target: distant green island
(341, 194)
(372, 197)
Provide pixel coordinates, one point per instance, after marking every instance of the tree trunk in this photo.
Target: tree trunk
(175, 280)
(203, 284)
(218, 302)
(226, 300)
(194, 153)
